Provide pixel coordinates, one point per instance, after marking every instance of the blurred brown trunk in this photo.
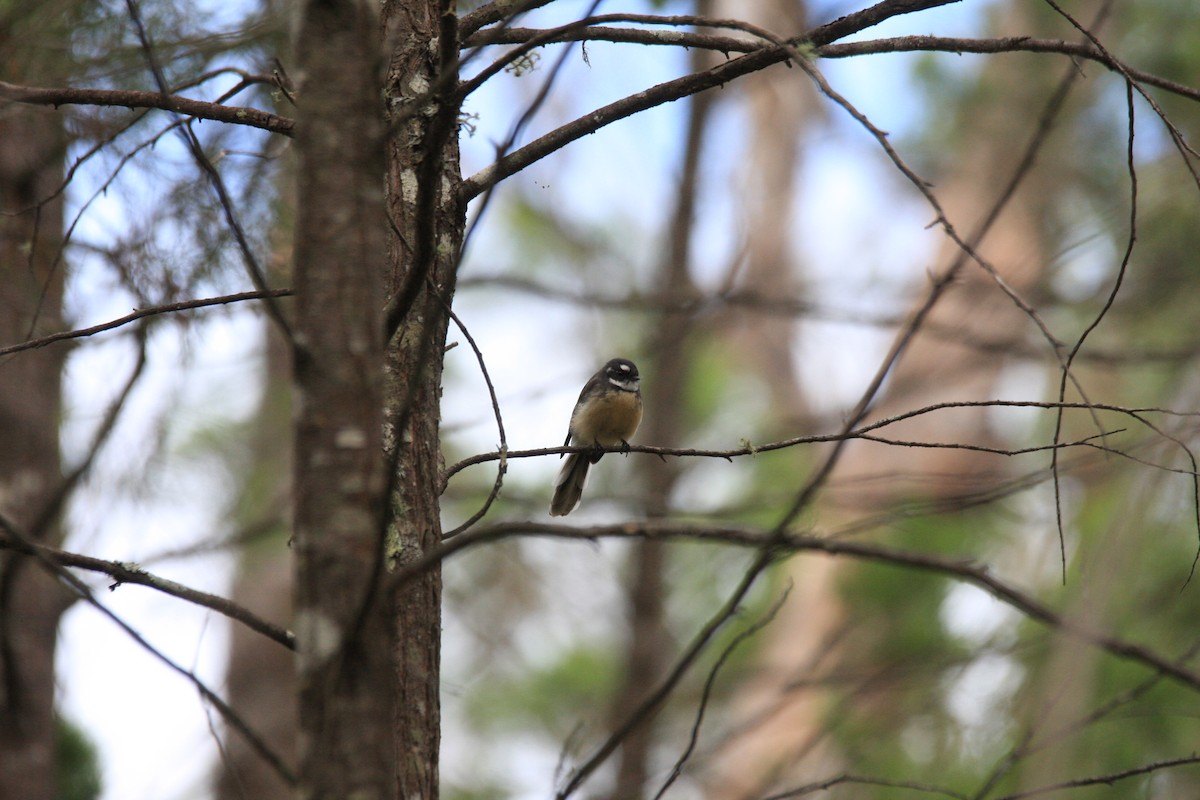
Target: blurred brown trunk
(344, 622)
(261, 677)
(32, 149)
(781, 114)
(784, 730)
(665, 368)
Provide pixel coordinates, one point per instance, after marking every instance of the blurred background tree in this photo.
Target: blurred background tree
(33, 146)
(757, 253)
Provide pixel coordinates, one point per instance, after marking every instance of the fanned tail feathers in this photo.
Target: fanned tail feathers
(568, 486)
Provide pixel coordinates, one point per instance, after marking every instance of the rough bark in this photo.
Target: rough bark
(343, 621)
(32, 148)
(422, 181)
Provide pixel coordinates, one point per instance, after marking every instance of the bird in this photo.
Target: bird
(607, 414)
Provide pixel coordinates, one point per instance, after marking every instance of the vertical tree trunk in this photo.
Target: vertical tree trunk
(666, 381)
(32, 148)
(782, 109)
(343, 620)
(787, 744)
(422, 182)
(260, 677)
(781, 113)
(369, 660)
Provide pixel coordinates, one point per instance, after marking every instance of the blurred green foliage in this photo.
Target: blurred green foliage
(78, 764)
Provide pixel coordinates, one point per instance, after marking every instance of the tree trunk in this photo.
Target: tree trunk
(782, 108)
(343, 621)
(788, 736)
(422, 200)
(32, 148)
(260, 678)
(667, 365)
(369, 649)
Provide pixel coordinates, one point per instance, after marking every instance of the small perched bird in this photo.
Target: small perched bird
(607, 414)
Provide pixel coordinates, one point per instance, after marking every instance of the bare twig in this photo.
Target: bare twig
(763, 540)
(598, 31)
(142, 313)
(123, 572)
(249, 260)
(231, 717)
(1177, 137)
(62, 492)
(502, 467)
(857, 433)
(198, 109)
(1106, 780)
(746, 633)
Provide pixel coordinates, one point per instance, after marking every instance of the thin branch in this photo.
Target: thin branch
(856, 433)
(742, 636)
(151, 311)
(599, 28)
(739, 44)
(128, 125)
(231, 717)
(963, 570)
(1177, 137)
(108, 424)
(124, 572)
(502, 467)
(870, 17)
(99, 146)
(1131, 240)
(249, 260)
(198, 109)
(496, 11)
(1009, 44)
(1106, 780)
